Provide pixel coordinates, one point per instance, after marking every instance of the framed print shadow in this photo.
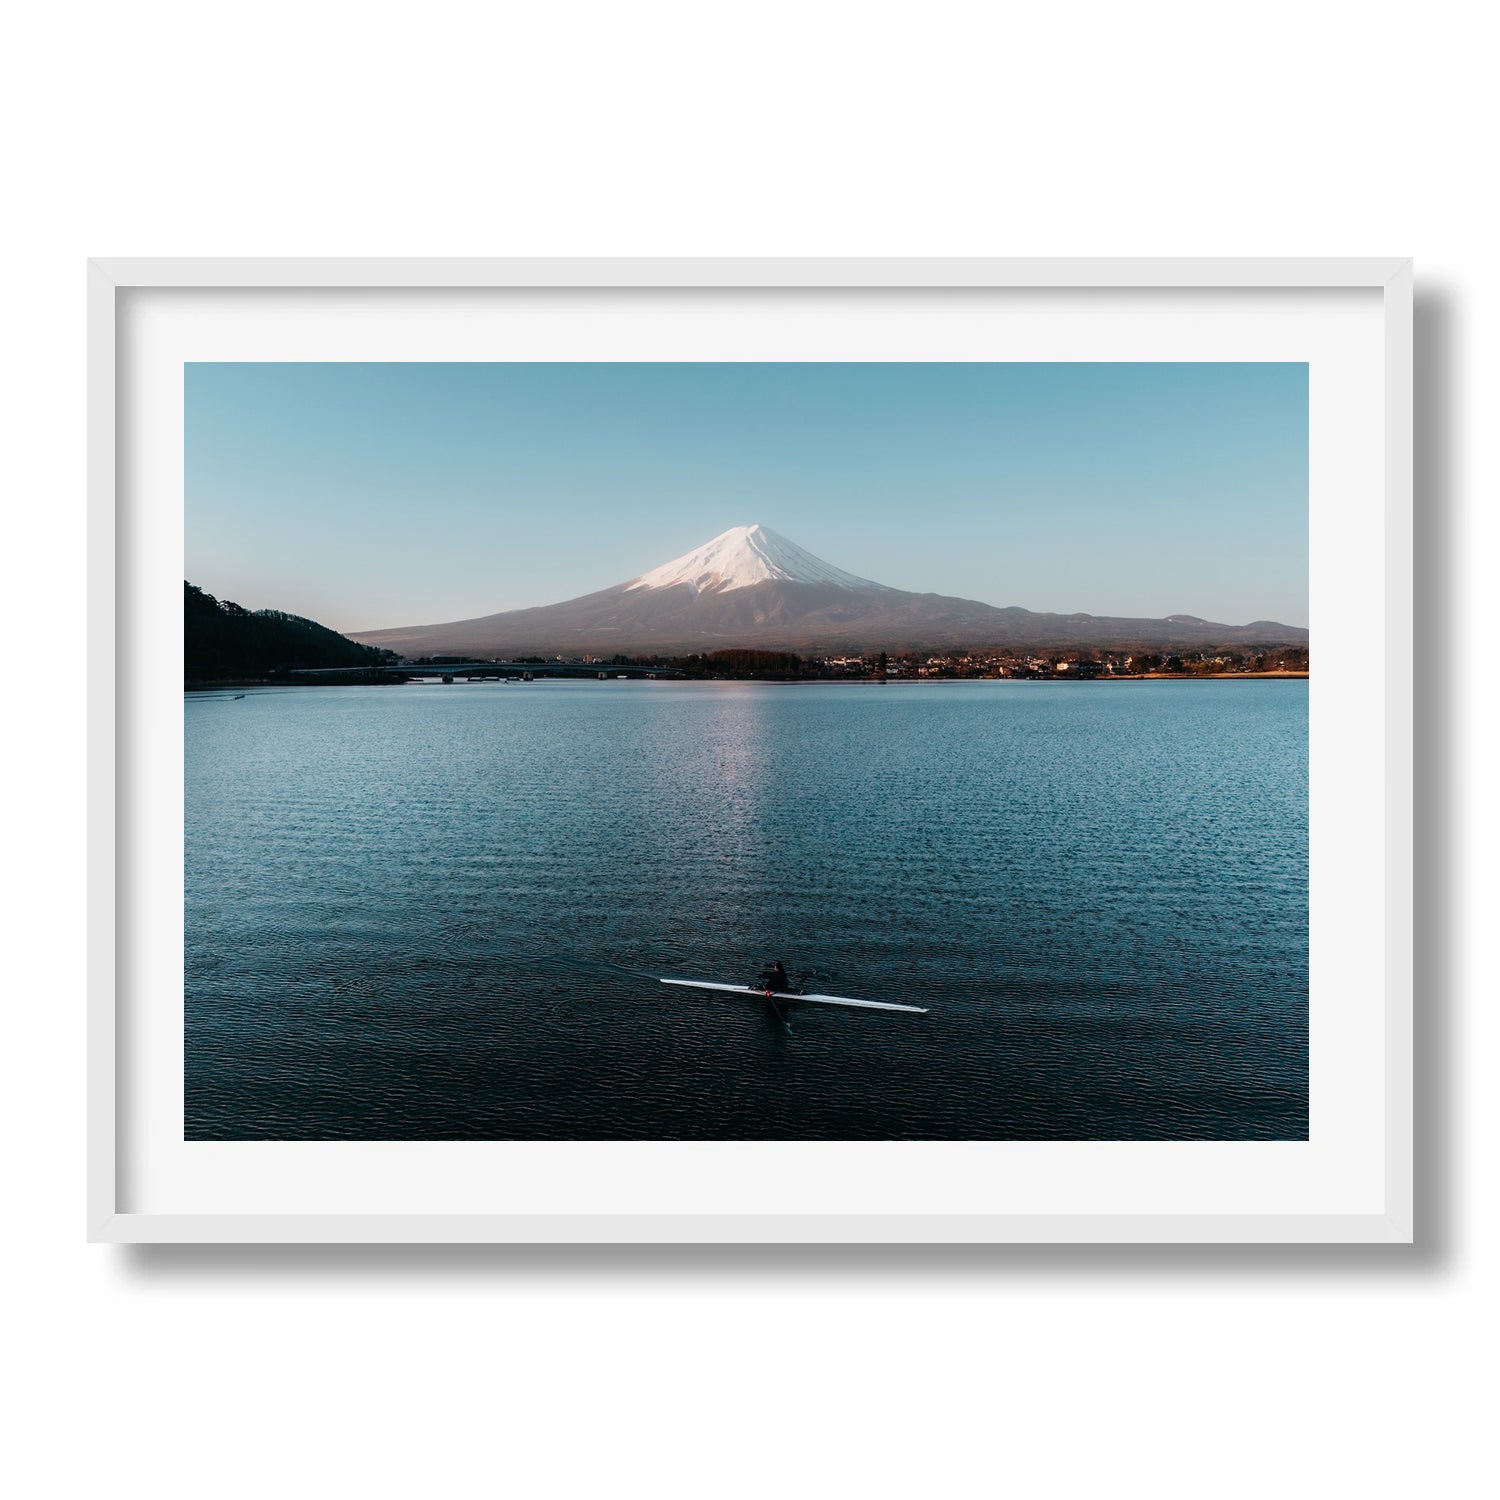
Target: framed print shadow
(697, 751)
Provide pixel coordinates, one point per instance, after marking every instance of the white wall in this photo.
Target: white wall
(649, 128)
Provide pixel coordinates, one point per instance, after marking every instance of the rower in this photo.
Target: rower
(775, 980)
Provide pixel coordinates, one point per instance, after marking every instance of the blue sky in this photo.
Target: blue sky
(369, 495)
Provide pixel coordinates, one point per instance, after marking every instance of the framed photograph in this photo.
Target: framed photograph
(767, 750)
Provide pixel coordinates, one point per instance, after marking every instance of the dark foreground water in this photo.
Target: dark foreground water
(412, 911)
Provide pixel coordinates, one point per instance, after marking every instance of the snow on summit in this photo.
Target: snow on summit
(742, 557)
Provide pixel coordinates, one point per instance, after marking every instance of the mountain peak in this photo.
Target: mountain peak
(742, 557)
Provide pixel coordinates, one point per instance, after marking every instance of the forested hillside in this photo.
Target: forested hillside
(223, 642)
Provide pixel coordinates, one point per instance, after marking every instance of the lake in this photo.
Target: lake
(441, 912)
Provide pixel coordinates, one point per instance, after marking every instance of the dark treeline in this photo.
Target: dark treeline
(742, 662)
(1206, 663)
(772, 666)
(224, 642)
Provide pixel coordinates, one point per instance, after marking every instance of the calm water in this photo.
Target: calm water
(435, 912)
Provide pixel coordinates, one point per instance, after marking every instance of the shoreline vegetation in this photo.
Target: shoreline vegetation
(227, 646)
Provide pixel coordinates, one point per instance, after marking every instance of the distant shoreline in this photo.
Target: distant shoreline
(896, 681)
(1187, 676)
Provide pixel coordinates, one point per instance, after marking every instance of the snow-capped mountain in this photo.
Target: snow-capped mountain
(750, 586)
(742, 557)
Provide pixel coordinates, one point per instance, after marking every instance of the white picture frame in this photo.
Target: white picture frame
(1364, 1194)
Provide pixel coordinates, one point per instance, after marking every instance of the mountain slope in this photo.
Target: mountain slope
(752, 587)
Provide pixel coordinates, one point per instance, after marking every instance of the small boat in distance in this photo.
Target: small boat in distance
(776, 999)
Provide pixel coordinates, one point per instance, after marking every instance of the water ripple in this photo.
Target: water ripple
(439, 914)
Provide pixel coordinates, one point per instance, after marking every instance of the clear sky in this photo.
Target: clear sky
(370, 495)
